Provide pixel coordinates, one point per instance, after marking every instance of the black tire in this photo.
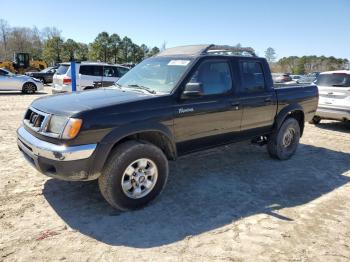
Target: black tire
(315, 120)
(278, 146)
(29, 88)
(124, 155)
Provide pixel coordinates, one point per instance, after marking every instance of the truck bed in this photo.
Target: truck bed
(304, 95)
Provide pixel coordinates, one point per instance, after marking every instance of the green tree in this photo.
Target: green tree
(82, 52)
(127, 47)
(270, 55)
(52, 52)
(155, 50)
(69, 49)
(115, 47)
(99, 49)
(300, 69)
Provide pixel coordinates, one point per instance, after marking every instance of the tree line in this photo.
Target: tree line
(304, 64)
(49, 45)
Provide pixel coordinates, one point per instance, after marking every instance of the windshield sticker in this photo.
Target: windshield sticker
(179, 62)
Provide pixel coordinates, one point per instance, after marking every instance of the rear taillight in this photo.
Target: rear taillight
(67, 81)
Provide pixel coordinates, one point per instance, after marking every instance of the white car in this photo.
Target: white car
(89, 75)
(13, 82)
(334, 96)
(295, 78)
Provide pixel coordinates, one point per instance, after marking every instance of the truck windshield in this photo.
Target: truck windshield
(157, 74)
(336, 79)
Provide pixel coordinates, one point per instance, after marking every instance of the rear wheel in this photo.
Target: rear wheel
(29, 88)
(315, 120)
(135, 174)
(283, 143)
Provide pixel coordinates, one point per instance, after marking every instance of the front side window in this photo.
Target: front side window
(215, 77)
(252, 77)
(110, 71)
(159, 74)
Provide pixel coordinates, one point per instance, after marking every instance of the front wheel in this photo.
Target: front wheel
(135, 174)
(28, 88)
(283, 143)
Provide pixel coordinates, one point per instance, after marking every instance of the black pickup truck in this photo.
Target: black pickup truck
(182, 100)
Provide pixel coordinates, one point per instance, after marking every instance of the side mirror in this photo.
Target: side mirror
(192, 90)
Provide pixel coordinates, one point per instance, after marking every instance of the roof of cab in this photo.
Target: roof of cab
(207, 49)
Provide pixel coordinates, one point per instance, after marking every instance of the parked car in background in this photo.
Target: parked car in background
(334, 91)
(12, 82)
(182, 100)
(129, 65)
(295, 78)
(89, 75)
(45, 75)
(308, 79)
(282, 78)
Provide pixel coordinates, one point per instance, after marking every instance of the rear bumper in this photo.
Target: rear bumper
(57, 88)
(333, 113)
(58, 161)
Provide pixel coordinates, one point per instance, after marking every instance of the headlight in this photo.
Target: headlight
(57, 123)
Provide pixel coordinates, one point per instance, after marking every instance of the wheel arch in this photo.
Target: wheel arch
(294, 110)
(156, 134)
(29, 82)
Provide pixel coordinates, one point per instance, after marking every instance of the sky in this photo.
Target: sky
(308, 27)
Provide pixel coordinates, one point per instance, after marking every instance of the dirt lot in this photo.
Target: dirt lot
(229, 204)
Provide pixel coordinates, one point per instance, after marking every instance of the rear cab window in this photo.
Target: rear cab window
(252, 77)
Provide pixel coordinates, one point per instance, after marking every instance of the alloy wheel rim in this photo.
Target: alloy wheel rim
(139, 178)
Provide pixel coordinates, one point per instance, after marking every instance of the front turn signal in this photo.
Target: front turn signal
(72, 128)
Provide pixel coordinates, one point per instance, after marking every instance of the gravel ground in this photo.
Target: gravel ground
(233, 203)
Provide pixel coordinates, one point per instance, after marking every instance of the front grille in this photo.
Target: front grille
(36, 119)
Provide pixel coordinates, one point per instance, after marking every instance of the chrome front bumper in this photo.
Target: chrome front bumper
(35, 147)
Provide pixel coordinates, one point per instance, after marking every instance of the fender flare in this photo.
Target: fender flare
(283, 114)
(117, 134)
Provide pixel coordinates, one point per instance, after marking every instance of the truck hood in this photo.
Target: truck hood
(73, 103)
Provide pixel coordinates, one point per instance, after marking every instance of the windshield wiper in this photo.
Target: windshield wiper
(143, 88)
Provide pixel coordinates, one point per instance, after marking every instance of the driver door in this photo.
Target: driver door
(212, 118)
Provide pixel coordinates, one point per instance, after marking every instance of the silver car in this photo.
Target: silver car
(334, 96)
(13, 82)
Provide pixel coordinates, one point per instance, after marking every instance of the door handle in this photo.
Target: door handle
(268, 99)
(235, 105)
